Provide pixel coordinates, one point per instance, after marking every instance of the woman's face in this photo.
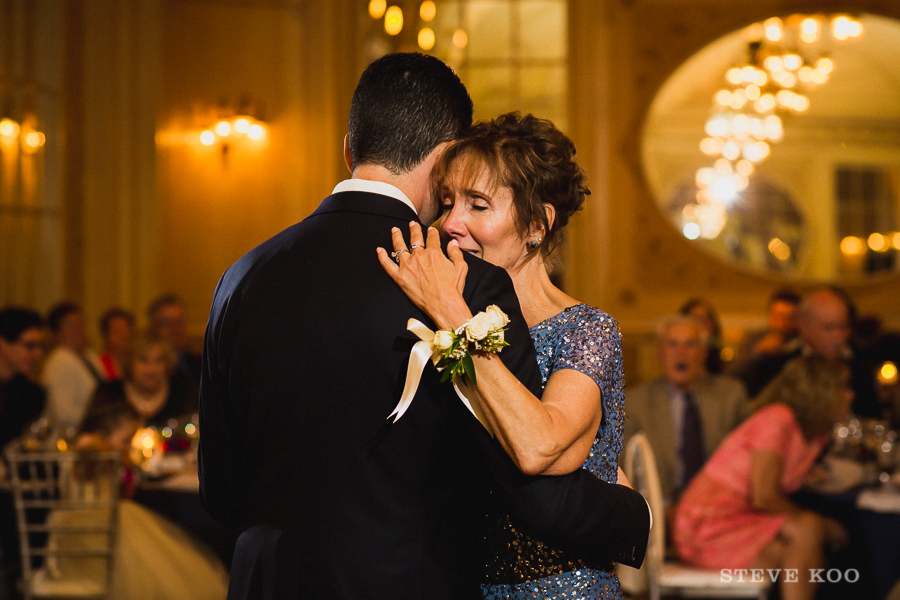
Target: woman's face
(481, 219)
(148, 370)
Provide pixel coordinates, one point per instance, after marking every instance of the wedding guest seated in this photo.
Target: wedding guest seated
(154, 558)
(21, 402)
(705, 312)
(117, 328)
(686, 412)
(736, 513)
(781, 333)
(826, 322)
(168, 321)
(145, 387)
(72, 371)
(21, 350)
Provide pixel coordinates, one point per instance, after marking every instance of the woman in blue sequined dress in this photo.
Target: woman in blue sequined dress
(508, 190)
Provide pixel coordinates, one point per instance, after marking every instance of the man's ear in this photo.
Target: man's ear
(348, 158)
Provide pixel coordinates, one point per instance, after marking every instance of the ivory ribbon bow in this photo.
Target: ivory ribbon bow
(419, 356)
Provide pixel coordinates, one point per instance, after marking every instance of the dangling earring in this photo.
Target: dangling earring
(535, 243)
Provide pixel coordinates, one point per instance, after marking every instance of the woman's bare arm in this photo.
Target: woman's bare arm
(548, 436)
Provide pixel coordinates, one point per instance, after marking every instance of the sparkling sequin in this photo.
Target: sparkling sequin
(522, 568)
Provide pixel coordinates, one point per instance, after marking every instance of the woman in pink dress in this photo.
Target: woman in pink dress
(735, 514)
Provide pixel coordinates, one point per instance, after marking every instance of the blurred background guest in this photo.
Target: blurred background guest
(735, 514)
(22, 400)
(781, 333)
(703, 310)
(686, 412)
(117, 329)
(145, 387)
(825, 319)
(168, 322)
(72, 371)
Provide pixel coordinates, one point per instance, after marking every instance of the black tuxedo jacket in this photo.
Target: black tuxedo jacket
(305, 356)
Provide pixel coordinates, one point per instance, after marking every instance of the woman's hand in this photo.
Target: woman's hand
(432, 281)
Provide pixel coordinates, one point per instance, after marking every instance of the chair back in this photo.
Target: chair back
(67, 513)
(639, 465)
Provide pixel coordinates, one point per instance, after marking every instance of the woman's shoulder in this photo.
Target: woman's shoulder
(590, 319)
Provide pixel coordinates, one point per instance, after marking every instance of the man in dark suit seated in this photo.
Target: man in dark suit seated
(305, 357)
(825, 319)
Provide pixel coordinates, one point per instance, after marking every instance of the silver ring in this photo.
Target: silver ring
(396, 255)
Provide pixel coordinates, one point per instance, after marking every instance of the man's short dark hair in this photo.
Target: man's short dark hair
(60, 312)
(14, 321)
(787, 295)
(404, 106)
(115, 313)
(164, 300)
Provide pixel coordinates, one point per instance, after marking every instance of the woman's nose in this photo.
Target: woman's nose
(452, 223)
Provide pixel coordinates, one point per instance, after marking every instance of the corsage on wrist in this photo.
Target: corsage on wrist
(452, 349)
(451, 353)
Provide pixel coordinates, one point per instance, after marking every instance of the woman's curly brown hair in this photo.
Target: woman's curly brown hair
(813, 387)
(532, 158)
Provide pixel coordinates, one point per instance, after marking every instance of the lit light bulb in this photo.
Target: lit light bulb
(9, 128)
(748, 74)
(242, 124)
(826, 65)
(723, 97)
(691, 231)
(774, 64)
(878, 242)
(33, 140)
(752, 92)
(223, 128)
(460, 38)
(207, 138)
(711, 146)
(393, 20)
(377, 8)
(887, 374)
(852, 245)
(809, 30)
(895, 240)
(744, 167)
(426, 38)
(256, 132)
(774, 29)
(734, 76)
(840, 28)
(427, 10)
(792, 62)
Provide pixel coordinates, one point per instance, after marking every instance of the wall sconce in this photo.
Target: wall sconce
(30, 139)
(234, 127)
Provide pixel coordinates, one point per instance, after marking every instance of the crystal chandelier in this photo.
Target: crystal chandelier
(786, 59)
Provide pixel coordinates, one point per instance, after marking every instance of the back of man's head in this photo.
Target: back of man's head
(404, 106)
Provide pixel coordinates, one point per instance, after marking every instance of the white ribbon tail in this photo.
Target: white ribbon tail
(418, 358)
(470, 399)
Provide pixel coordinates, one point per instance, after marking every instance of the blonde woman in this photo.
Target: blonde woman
(736, 513)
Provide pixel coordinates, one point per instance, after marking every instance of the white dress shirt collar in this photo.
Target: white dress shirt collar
(374, 187)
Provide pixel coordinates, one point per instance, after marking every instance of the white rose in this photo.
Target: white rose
(443, 339)
(499, 320)
(478, 327)
(498, 338)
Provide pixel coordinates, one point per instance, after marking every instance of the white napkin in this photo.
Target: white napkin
(883, 500)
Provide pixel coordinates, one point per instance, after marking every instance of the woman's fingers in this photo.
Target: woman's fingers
(415, 236)
(397, 239)
(434, 238)
(387, 263)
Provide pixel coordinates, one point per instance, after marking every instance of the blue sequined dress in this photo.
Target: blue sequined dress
(522, 568)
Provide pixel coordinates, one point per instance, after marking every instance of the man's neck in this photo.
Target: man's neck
(401, 182)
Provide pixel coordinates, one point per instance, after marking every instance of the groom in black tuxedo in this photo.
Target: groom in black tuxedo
(305, 357)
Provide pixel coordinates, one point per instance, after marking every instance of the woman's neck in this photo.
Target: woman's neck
(539, 298)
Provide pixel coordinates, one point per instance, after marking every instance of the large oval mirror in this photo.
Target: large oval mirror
(778, 146)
